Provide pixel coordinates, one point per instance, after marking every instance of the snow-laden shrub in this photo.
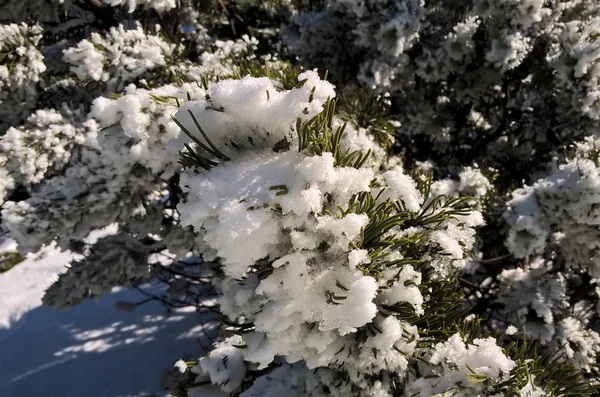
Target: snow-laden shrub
(21, 64)
(123, 157)
(581, 344)
(66, 173)
(334, 265)
(123, 55)
(373, 34)
(556, 218)
(506, 84)
(309, 282)
(533, 298)
(220, 60)
(468, 182)
(576, 56)
(40, 148)
(560, 212)
(471, 365)
(49, 10)
(158, 5)
(337, 227)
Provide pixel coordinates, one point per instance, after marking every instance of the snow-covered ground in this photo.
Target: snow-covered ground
(90, 350)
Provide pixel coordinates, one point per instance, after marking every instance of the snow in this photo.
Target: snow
(254, 113)
(7, 245)
(456, 361)
(22, 287)
(92, 349)
(225, 364)
(405, 290)
(405, 188)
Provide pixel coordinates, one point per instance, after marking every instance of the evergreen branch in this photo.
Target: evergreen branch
(317, 136)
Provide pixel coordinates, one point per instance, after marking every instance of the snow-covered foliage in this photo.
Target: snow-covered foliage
(475, 366)
(158, 5)
(123, 156)
(582, 345)
(560, 211)
(50, 10)
(311, 272)
(300, 227)
(376, 198)
(469, 182)
(500, 83)
(21, 64)
(532, 298)
(41, 147)
(118, 58)
(380, 34)
(220, 61)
